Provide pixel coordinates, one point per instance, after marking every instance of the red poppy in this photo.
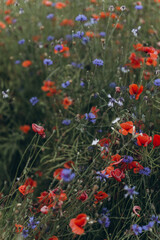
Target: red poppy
(135, 61)
(83, 196)
(68, 164)
(104, 141)
(127, 127)
(118, 174)
(2, 25)
(26, 63)
(77, 224)
(135, 90)
(144, 139)
(10, 2)
(156, 140)
(28, 186)
(94, 110)
(38, 129)
(116, 157)
(47, 3)
(19, 228)
(136, 166)
(53, 238)
(60, 5)
(151, 61)
(57, 173)
(25, 128)
(100, 196)
(67, 101)
(67, 22)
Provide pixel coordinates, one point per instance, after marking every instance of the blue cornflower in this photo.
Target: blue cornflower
(47, 62)
(127, 159)
(50, 16)
(66, 122)
(58, 47)
(17, 62)
(25, 233)
(136, 229)
(66, 84)
(155, 219)
(102, 177)
(81, 18)
(145, 171)
(77, 65)
(148, 226)
(111, 101)
(85, 40)
(67, 175)
(50, 38)
(130, 191)
(68, 37)
(98, 62)
(32, 223)
(82, 84)
(104, 220)
(138, 7)
(157, 82)
(91, 117)
(91, 22)
(34, 100)
(22, 41)
(112, 85)
(120, 101)
(102, 34)
(78, 34)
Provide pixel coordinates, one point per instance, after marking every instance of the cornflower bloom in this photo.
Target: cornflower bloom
(25, 233)
(136, 229)
(78, 34)
(34, 100)
(130, 191)
(22, 41)
(127, 159)
(157, 82)
(66, 122)
(81, 18)
(50, 16)
(50, 38)
(32, 223)
(155, 219)
(47, 62)
(98, 62)
(67, 175)
(145, 171)
(91, 117)
(148, 226)
(111, 101)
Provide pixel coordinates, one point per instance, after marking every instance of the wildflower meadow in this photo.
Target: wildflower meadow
(79, 120)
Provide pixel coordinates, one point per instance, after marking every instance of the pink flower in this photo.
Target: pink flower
(38, 129)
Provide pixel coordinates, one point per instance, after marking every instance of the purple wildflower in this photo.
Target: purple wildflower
(66, 122)
(130, 191)
(136, 229)
(127, 159)
(34, 100)
(98, 62)
(67, 175)
(145, 171)
(81, 18)
(47, 62)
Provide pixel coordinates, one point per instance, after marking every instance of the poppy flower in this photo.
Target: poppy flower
(94, 110)
(38, 129)
(57, 173)
(68, 164)
(47, 3)
(10, 2)
(127, 127)
(135, 90)
(25, 128)
(135, 61)
(156, 140)
(151, 61)
(67, 101)
(144, 139)
(44, 209)
(77, 224)
(28, 186)
(83, 196)
(2, 25)
(60, 5)
(100, 196)
(19, 228)
(118, 174)
(26, 63)
(53, 238)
